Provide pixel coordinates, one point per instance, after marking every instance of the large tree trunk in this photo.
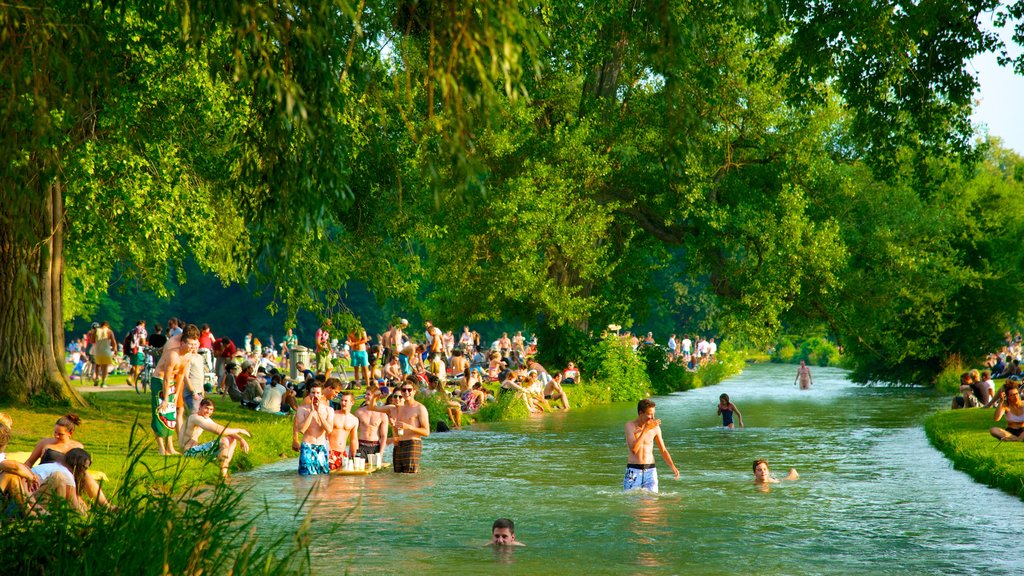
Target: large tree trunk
(31, 282)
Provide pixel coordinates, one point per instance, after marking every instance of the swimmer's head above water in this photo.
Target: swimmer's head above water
(762, 475)
(503, 533)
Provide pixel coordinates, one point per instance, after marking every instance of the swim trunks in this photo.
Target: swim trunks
(334, 460)
(406, 459)
(163, 423)
(313, 459)
(367, 448)
(204, 450)
(640, 477)
(138, 359)
(359, 358)
(1015, 431)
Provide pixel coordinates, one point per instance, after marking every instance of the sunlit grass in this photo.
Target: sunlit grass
(963, 436)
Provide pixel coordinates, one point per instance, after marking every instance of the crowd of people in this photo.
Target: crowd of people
(978, 388)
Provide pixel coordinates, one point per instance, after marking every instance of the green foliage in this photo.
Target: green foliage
(815, 351)
(666, 377)
(962, 435)
(437, 410)
(591, 393)
(138, 536)
(507, 406)
(948, 381)
(614, 363)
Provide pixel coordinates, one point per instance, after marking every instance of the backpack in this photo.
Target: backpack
(126, 344)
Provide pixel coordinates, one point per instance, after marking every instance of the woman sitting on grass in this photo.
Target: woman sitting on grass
(1012, 407)
(70, 481)
(53, 449)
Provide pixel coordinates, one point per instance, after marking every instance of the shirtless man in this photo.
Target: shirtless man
(165, 387)
(641, 434)
(223, 446)
(803, 375)
(345, 432)
(553, 391)
(373, 426)
(459, 362)
(411, 424)
(313, 422)
(357, 340)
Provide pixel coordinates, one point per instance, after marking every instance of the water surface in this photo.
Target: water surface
(874, 497)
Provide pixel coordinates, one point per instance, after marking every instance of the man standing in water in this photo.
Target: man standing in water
(343, 439)
(411, 424)
(313, 422)
(641, 434)
(373, 427)
(803, 375)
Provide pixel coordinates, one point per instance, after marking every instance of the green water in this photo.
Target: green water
(874, 496)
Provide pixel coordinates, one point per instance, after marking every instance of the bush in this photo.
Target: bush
(622, 369)
(437, 409)
(784, 352)
(508, 406)
(666, 376)
(180, 529)
(815, 351)
(588, 394)
(948, 381)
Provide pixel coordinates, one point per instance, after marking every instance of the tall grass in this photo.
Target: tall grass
(948, 381)
(160, 525)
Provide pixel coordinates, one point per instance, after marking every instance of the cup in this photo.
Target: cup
(360, 463)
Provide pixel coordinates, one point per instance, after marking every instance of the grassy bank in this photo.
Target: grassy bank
(962, 435)
(109, 423)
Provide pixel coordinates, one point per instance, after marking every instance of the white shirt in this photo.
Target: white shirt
(672, 344)
(687, 344)
(712, 347)
(272, 396)
(44, 471)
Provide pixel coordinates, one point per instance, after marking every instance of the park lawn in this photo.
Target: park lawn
(963, 436)
(107, 430)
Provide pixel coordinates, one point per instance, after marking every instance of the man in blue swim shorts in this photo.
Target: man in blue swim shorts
(641, 434)
(313, 422)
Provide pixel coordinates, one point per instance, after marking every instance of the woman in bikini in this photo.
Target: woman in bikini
(1013, 408)
(53, 449)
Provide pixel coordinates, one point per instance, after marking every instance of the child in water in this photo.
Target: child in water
(726, 410)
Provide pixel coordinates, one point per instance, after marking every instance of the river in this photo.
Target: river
(873, 498)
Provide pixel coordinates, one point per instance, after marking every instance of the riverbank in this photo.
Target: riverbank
(115, 419)
(963, 437)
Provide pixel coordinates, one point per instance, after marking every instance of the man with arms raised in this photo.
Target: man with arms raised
(411, 424)
(373, 426)
(313, 422)
(641, 434)
(345, 433)
(223, 446)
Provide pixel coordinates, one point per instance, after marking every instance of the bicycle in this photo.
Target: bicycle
(152, 354)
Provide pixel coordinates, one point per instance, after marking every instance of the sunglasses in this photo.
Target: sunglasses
(406, 390)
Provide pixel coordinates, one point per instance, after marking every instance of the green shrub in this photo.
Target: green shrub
(784, 352)
(666, 376)
(615, 363)
(588, 394)
(508, 406)
(948, 381)
(437, 409)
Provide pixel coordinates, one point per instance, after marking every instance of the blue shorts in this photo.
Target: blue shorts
(637, 479)
(313, 459)
(204, 450)
(359, 358)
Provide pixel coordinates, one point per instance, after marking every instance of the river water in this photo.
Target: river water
(873, 498)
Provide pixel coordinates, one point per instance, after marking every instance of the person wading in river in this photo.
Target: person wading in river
(411, 424)
(641, 434)
(803, 375)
